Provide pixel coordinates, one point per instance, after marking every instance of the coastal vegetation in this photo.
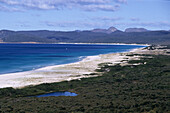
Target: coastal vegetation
(130, 88)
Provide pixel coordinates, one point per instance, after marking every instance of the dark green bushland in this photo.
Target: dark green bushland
(141, 88)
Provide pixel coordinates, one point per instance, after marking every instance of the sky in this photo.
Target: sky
(69, 15)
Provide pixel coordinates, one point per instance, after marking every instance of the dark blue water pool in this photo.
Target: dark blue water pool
(57, 94)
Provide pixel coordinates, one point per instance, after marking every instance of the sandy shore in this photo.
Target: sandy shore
(64, 72)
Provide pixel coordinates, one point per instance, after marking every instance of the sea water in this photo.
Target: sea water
(24, 57)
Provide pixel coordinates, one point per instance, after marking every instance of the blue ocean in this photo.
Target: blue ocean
(24, 57)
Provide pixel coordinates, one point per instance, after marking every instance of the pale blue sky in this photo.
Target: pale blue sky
(63, 15)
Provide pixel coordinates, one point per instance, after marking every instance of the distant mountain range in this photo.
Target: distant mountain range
(113, 29)
(136, 30)
(110, 35)
(109, 30)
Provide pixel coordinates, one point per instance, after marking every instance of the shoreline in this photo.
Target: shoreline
(74, 43)
(63, 72)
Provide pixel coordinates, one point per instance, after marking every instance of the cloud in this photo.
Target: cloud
(5, 8)
(100, 7)
(89, 5)
(135, 19)
(158, 24)
(23, 25)
(98, 24)
(121, 1)
(105, 18)
(74, 24)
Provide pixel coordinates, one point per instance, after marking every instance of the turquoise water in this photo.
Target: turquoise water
(57, 94)
(24, 57)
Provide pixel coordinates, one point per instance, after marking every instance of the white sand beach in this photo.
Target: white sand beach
(64, 72)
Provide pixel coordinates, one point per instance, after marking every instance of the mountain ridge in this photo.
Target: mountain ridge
(108, 31)
(136, 30)
(111, 35)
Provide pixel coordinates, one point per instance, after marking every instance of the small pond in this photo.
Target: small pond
(57, 94)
